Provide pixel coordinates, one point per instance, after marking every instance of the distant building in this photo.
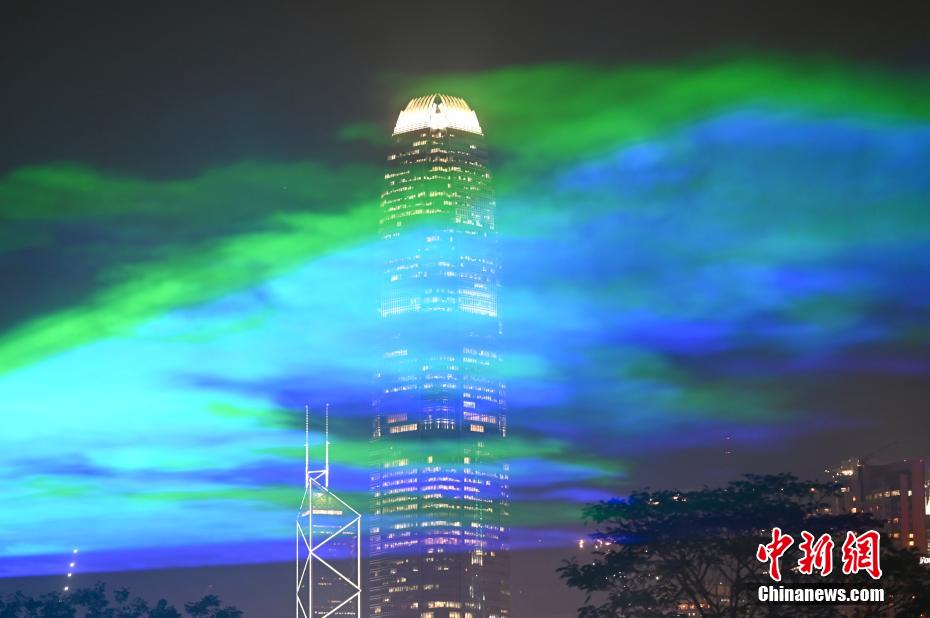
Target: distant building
(895, 493)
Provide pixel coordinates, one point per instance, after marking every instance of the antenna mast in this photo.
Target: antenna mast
(306, 446)
(326, 460)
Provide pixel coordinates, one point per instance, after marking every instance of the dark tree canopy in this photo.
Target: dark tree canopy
(211, 607)
(666, 553)
(94, 602)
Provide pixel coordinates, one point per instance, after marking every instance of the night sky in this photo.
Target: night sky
(716, 240)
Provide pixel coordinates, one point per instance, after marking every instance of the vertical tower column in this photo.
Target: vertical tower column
(439, 484)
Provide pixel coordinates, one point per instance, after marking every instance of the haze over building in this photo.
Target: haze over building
(439, 485)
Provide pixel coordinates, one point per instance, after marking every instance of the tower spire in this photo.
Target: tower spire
(326, 456)
(306, 445)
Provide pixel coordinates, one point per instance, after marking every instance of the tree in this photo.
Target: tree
(659, 553)
(163, 610)
(210, 607)
(46, 606)
(94, 602)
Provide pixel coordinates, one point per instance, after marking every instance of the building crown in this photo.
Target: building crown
(437, 111)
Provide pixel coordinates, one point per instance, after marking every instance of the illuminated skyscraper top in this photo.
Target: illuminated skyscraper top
(437, 112)
(439, 485)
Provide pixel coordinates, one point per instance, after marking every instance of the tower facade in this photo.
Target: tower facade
(439, 484)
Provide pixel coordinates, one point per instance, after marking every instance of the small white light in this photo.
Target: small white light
(75, 551)
(66, 589)
(69, 574)
(71, 565)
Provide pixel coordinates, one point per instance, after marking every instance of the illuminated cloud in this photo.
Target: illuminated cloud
(686, 248)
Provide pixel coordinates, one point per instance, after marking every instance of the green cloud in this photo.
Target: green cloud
(559, 113)
(178, 274)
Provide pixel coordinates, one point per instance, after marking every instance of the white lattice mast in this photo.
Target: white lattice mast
(306, 446)
(326, 457)
(325, 523)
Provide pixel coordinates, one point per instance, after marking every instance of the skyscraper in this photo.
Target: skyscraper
(439, 485)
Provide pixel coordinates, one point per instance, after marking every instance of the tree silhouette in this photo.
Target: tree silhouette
(210, 607)
(94, 602)
(664, 553)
